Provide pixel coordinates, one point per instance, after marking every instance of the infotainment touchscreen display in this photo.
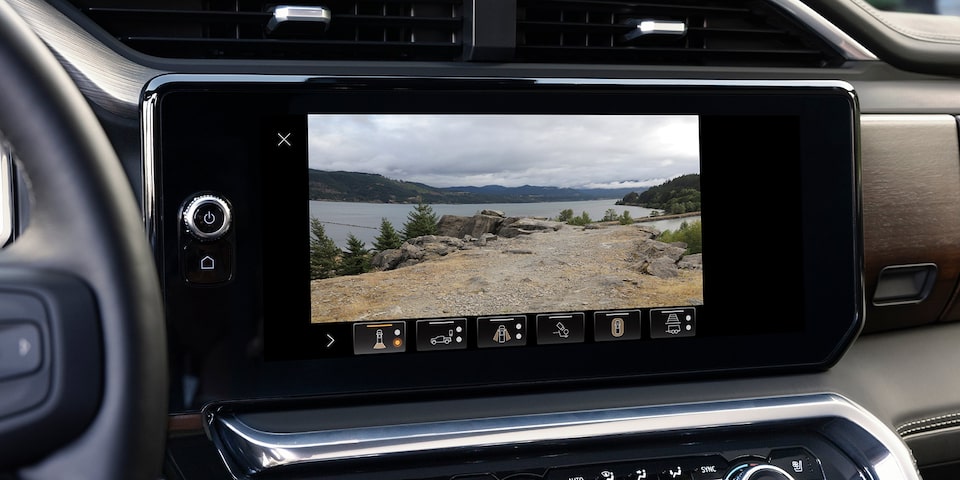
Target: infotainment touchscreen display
(449, 218)
(388, 234)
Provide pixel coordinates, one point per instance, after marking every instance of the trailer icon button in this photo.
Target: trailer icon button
(673, 322)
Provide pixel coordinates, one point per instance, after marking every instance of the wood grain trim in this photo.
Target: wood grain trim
(910, 175)
(185, 424)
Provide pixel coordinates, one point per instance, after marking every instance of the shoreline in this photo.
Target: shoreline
(665, 217)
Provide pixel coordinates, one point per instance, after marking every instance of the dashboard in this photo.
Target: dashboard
(499, 270)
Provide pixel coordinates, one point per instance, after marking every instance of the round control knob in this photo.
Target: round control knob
(754, 471)
(207, 217)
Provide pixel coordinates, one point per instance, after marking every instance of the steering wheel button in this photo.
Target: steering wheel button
(21, 351)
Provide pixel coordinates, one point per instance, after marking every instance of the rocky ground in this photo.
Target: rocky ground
(573, 268)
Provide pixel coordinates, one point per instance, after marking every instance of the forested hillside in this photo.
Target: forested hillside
(679, 195)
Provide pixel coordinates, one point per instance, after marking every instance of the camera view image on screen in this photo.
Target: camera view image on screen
(441, 216)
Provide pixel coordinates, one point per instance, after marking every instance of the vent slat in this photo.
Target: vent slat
(273, 43)
(384, 21)
(679, 56)
(675, 51)
(621, 29)
(614, 6)
(194, 16)
(295, 49)
(178, 16)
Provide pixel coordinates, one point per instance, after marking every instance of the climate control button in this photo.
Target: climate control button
(798, 462)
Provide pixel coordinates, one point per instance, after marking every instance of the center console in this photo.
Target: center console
(354, 266)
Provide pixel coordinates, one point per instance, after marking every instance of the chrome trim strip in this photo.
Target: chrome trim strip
(166, 79)
(7, 210)
(150, 190)
(869, 442)
(850, 48)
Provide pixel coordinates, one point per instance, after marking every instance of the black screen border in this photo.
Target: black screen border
(259, 348)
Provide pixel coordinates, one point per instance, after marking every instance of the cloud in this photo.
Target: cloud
(509, 150)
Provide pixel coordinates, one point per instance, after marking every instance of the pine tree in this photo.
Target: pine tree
(324, 253)
(421, 221)
(388, 238)
(356, 259)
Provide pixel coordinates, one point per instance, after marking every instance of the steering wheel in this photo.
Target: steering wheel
(83, 389)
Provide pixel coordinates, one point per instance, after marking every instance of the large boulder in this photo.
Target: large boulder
(387, 259)
(691, 262)
(647, 230)
(661, 267)
(416, 250)
(659, 259)
(650, 249)
(437, 245)
(458, 226)
(514, 227)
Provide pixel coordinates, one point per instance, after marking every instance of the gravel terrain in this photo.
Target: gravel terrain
(567, 270)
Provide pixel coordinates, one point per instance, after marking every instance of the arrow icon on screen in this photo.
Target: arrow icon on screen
(332, 340)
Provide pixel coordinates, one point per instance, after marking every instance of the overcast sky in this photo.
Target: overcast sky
(594, 151)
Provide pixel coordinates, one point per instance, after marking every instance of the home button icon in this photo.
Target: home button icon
(207, 263)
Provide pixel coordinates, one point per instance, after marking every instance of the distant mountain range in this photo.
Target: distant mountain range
(374, 188)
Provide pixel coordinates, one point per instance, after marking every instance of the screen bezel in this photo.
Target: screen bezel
(263, 351)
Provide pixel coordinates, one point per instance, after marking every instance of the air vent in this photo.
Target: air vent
(238, 29)
(674, 32)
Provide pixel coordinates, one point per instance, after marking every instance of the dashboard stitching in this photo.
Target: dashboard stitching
(931, 423)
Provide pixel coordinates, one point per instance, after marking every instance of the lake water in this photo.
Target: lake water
(340, 219)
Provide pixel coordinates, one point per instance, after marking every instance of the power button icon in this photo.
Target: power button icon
(207, 217)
